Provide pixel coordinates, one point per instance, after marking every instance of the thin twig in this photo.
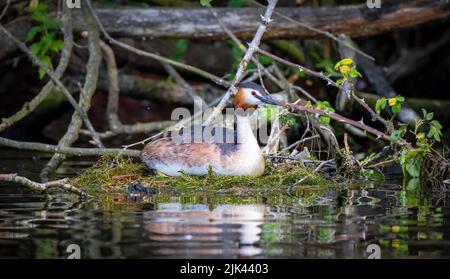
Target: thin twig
(198, 101)
(317, 169)
(87, 91)
(252, 48)
(62, 184)
(5, 9)
(66, 53)
(57, 81)
(325, 33)
(112, 109)
(300, 67)
(162, 59)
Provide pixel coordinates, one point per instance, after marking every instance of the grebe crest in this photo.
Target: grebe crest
(240, 156)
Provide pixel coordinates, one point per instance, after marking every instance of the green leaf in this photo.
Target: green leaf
(265, 60)
(35, 48)
(235, 3)
(327, 65)
(424, 112)
(436, 124)
(396, 108)
(413, 168)
(205, 2)
(380, 105)
(57, 45)
(324, 119)
(413, 184)
(429, 116)
(354, 73)
(396, 135)
(33, 32)
(288, 120)
(400, 98)
(41, 73)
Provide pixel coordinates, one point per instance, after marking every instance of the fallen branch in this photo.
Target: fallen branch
(77, 151)
(199, 23)
(62, 183)
(159, 58)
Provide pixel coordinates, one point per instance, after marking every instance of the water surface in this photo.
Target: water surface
(403, 220)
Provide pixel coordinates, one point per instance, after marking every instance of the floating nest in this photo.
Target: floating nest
(114, 173)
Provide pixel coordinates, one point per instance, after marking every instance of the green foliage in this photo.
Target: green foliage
(325, 106)
(44, 35)
(347, 70)
(328, 66)
(412, 160)
(269, 112)
(288, 119)
(394, 103)
(434, 132)
(181, 46)
(205, 3)
(235, 3)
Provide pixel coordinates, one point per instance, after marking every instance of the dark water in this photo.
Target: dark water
(404, 221)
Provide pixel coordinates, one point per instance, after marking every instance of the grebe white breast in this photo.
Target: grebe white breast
(240, 156)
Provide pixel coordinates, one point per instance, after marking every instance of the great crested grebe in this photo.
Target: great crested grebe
(241, 156)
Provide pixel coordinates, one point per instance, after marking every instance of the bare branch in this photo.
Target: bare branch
(62, 183)
(88, 90)
(58, 82)
(66, 53)
(78, 151)
(253, 46)
(139, 52)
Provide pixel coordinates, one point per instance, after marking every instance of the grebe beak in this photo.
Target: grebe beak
(266, 98)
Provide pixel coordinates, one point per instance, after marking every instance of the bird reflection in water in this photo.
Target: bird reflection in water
(187, 229)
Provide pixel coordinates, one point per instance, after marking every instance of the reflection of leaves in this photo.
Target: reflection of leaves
(271, 233)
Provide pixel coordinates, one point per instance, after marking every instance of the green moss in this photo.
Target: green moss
(104, 176)
(114, 173)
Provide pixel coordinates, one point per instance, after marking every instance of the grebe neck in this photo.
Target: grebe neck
(245, 134)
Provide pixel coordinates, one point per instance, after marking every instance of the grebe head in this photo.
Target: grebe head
(250, 95)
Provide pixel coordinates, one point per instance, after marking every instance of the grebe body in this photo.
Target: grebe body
(241, 156)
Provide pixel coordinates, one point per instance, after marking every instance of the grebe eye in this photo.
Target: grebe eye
(253, 93)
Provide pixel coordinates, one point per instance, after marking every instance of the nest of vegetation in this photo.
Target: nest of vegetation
(113, 174)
